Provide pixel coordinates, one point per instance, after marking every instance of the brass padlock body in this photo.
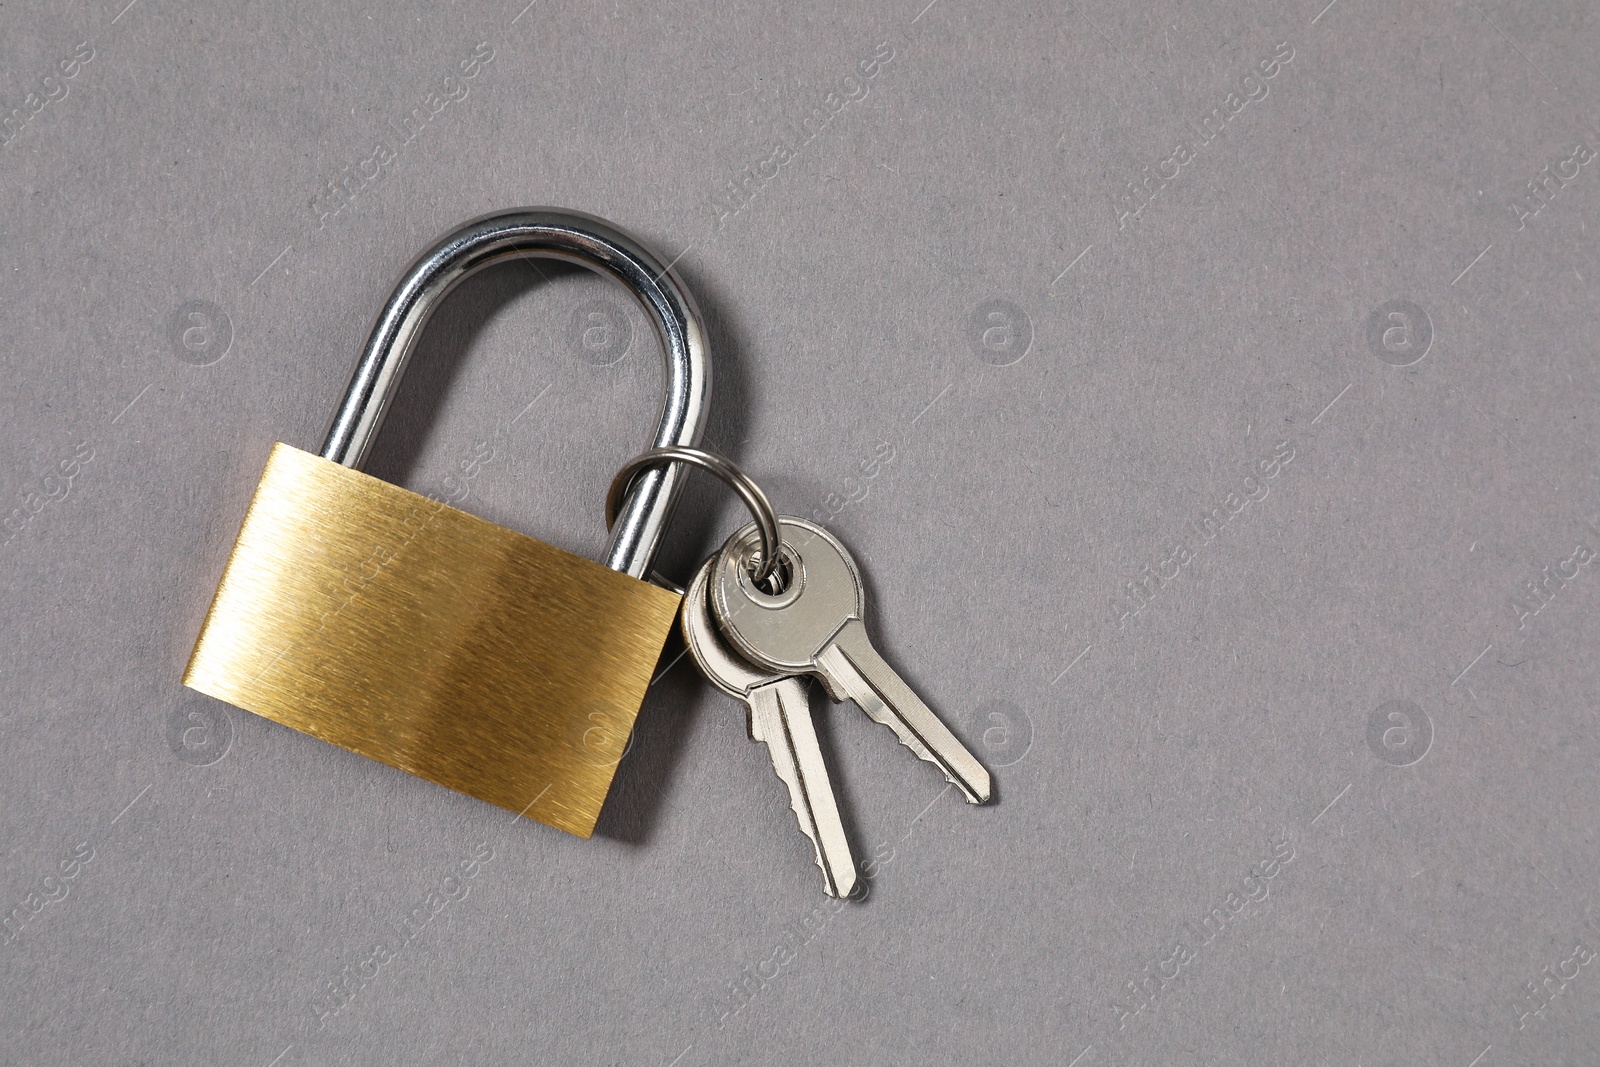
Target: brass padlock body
(431, 640)
(439, 643)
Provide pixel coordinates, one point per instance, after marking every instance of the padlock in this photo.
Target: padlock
(432, 640)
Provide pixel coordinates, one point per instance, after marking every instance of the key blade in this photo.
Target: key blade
(780, 715)
(853, 667)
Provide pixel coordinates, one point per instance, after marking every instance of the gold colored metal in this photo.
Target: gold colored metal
(432, 640)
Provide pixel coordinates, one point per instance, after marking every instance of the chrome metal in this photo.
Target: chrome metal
(725, 469)
(815, 626)
(780, 718)
(573, 237)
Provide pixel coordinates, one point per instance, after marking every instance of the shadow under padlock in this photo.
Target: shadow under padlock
(439, 643)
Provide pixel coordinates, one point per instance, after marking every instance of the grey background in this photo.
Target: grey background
(1146, 763)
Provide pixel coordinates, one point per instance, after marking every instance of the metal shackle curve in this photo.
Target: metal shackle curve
(573, 237)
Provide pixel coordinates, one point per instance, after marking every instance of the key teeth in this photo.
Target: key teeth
(791, 782)
(829, 886)
(910, 740)
(985, 792)
(971, 796)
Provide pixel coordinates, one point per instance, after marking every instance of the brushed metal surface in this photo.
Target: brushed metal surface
(431, 640)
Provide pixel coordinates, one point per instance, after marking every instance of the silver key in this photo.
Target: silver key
(814, 626)
(780, 716)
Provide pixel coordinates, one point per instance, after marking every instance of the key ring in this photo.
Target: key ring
(722, 467)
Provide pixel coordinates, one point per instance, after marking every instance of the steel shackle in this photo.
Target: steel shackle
(573, 237)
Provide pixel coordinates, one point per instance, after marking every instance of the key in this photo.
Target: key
(813, 625)
(780, 717)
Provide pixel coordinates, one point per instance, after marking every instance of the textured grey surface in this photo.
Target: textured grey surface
(1333, 667)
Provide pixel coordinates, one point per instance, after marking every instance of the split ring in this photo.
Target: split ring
(725, 469)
